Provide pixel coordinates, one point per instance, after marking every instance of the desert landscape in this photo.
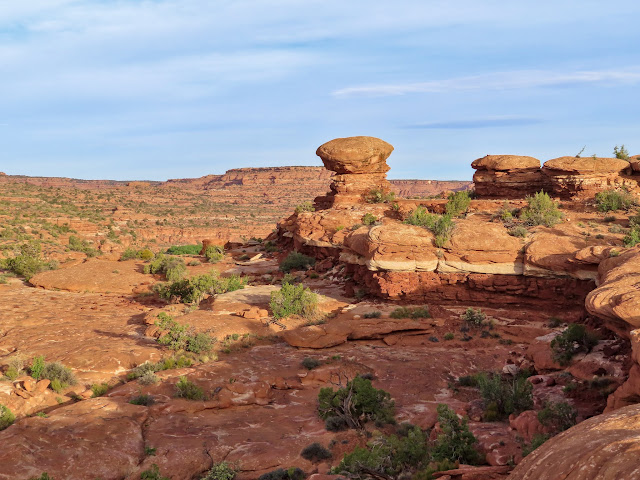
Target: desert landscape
(354, 328)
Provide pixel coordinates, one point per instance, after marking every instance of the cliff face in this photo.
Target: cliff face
(427, 188)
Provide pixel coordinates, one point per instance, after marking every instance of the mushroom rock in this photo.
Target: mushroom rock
(603, 447)
(507, 176)
(585, 176)
(361, 166)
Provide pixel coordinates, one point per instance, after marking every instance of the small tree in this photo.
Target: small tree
(621, 152)
(456, 442)
(542, 210)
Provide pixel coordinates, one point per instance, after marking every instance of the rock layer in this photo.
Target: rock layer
(507, 176)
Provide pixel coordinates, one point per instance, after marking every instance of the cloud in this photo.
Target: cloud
(489, 122)
(519, 79)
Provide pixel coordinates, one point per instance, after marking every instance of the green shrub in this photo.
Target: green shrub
(503, 395)
(415, 313)
(518, 231)
(458, 203)
(37, 367)
(536, 441)
(294, 300)
(373, 314)
(6, 417)
(182, 337)
(28, 262)
(369, 219)
(633, 237)
(145, 369)
(576, 338)
(214, 253)
(559, 416)
(44, 476)
(612, 200)
(153, 474)
(420, 217)
(541, 210)
(221, 471)
(173, 268)
(143, 400)
(184, 249)
(315, 453)
(305, 207)
(78, 245)
(194, 289)
(310, 363)
(99, 389)
(456, 443)
(296, 261)
(378, 195)
(58, 374)
(474, 317)
(448, 336)
(292, 473)
(189, 390)
(621, 153)
(388, 457)
(356, 403)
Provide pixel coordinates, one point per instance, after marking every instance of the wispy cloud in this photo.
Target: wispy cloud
(519, 79)
(489, 122)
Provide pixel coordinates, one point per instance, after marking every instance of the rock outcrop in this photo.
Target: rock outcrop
(360, 164)
(603, 447)
(508, 176)
(586, 176)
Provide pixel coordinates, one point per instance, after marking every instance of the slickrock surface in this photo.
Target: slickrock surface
(604, 447)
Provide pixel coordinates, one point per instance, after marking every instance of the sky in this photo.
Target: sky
(158, 89)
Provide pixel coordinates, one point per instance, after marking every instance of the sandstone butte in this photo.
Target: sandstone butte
(99, 316)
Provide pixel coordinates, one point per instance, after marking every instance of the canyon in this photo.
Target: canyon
(496, 287)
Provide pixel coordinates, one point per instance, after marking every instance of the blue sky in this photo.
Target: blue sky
(144, 89)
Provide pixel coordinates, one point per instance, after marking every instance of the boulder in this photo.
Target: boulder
(355, 155)
(507, 176)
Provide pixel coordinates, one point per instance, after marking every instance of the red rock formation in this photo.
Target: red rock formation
(507, 176)
(360, 164)
(427, 188)
(586, 176)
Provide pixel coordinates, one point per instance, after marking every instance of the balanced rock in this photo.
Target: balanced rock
(507, 176)
(361, 166)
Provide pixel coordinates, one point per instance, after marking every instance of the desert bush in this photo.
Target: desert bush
(153, 474)
(143, 400)
(504, 395)
(59, 375)
(576, 338)
(292, 473)
(420, 217)
(221, 471)
(518, 231)
(189, 390)
(173, 268)
(184, 249)
(456, 443)
(214, 253)
(621, 153)
(305, 207)
(194, 289)
(310, 363)
(559, 416)
(356, 403)
(369, 219)
(149, 378)
(99, 389)
(473, 317)
(633, 237)
(458, 203)
(388, 457)
(373, 314)
(37, 367)
(28, 262)
(294, 300)
(76, 244)
(612, 200)
(406, 312)
(449, 336)
(541, 210)
(315, 453)
(148, 369)
(182, 337)
(296, 261)
(6, 417)
(378, 195)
